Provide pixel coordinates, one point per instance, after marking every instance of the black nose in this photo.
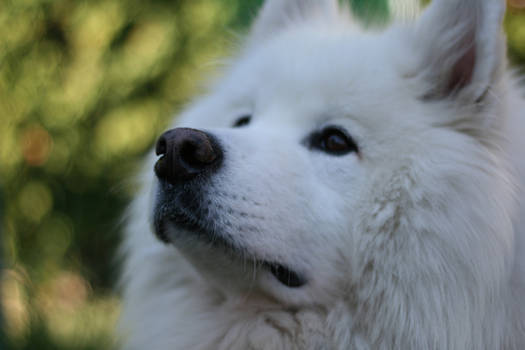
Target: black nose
(185, 154)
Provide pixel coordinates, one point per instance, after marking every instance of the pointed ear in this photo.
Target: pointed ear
(460, 48)
(276, 15)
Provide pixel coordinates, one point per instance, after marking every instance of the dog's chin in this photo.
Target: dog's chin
(195, 238)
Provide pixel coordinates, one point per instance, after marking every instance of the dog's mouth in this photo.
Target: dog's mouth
(286, 276)
(182, 220)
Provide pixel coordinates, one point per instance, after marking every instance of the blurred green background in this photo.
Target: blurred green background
(85, 88)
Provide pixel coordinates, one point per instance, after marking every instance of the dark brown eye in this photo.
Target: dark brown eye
(242, 121)
(334, 141)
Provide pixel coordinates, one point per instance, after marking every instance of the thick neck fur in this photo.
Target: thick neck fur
(399, 318)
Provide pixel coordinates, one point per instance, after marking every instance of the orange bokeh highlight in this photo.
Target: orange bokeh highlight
(36, 145)
(517, 3)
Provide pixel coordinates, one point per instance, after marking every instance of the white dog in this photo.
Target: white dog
(339, 189)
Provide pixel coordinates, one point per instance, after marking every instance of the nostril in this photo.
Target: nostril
(160, 147)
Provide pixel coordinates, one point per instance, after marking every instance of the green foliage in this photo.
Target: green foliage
(515, 28)
(371, 11)
(85, 88)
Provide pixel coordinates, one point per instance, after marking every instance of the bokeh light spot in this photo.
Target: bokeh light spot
(54, 236)
(127, 130)
(517, 3)
(13, 300)
(35, 201)
(36, 145)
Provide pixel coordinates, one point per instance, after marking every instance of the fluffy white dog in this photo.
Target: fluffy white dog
(339, 189)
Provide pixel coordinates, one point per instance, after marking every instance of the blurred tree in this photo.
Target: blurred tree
(3, 340)
(85, 87)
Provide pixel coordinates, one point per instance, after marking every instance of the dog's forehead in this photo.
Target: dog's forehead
(313, 74)
(326, 63)
(316, 69)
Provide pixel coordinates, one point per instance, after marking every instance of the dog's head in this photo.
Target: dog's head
(327, 156)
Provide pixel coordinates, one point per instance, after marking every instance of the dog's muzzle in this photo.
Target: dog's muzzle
(188, 160)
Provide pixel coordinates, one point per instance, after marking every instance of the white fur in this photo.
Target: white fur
(417, 242)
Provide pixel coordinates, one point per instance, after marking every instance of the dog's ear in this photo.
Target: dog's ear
(460, 48)
(278, 14)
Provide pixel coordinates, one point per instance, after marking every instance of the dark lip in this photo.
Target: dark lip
(288, 277)
(179, 205)
(170, 210)
(282, 273)
(179, 219)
